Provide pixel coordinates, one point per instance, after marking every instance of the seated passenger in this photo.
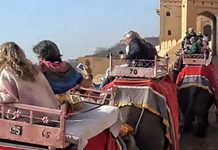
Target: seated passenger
(63, 77)
(195, 48)
(60, 74)
(186, 41)
(21, 81)
(138, 48)
(191, 45)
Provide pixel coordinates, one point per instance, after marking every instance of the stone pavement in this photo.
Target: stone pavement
(190, 142)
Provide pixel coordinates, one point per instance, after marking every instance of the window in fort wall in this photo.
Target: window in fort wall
(169, 32)
(168, 13)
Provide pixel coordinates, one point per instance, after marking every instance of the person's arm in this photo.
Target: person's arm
(8, 88)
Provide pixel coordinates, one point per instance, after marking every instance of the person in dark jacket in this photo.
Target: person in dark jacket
(138, 47)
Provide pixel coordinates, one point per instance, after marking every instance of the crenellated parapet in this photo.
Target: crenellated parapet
(202, 3)
(171, 2)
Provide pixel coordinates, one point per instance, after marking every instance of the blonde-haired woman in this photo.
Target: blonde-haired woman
(21, 81)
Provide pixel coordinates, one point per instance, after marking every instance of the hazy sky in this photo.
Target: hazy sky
(77, 26)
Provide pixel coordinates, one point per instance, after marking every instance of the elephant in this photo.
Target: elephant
(196, 94)
(146, 112)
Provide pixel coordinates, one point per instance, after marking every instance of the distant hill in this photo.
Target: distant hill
(153, 40)
(102, 52)
(99, 62)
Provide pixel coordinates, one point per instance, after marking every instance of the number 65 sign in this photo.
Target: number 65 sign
(15, 129)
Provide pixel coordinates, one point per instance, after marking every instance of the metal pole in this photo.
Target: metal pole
(155, 66)
(110, 63)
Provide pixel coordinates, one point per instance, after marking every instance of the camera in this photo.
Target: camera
(81, 66)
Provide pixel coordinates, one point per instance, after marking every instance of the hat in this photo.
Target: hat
(47, 49)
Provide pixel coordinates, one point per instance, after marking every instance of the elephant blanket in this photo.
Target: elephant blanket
(199, 76)
(158, 97)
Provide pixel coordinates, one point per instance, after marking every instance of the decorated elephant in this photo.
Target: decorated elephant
(149, 111)
(197, 89)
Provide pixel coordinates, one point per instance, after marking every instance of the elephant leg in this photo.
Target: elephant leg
(188, 119)
(151, 132)
(206, 119)
(201, 121)
(200, 125)
(130, 116)
(189, 110)
(185, 102)
(203, 102)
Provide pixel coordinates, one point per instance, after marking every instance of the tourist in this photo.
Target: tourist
(21, 81)
(137, 47)
(60, 74)
(187, 43)
(195, 48)
(137, 50)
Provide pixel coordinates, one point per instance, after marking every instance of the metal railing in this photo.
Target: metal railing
(140, 68)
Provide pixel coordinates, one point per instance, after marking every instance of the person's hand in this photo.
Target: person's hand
(122, 56)
(87, 70)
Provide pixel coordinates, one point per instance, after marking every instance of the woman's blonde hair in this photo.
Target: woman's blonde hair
(13, 58)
